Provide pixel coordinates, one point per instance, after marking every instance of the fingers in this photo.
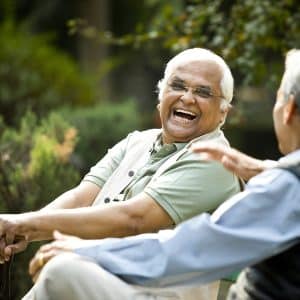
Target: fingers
(7, 250)
(62, 244)
(44, 254)
(36, 265)
(230, 164)
(19, 246)
(213, 151)
(39, 261)
(36, 276)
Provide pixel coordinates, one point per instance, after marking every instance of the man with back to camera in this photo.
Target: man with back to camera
(258, 224)
(152, 170)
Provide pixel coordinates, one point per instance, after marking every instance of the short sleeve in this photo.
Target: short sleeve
(106, 166)
(192, 186)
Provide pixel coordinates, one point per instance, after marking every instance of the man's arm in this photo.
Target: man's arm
(235, 161)
(81, 196)
(13, 241)
(137, 215)
(258, 223)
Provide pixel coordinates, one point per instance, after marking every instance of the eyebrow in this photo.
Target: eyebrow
(177, 79)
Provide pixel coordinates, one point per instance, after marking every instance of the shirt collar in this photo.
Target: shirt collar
(291, 156)
(157, 144)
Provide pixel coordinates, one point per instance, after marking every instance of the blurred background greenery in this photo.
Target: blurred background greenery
(77, 76)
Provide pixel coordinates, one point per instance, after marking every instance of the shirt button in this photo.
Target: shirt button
(130, 173)
(106, 200)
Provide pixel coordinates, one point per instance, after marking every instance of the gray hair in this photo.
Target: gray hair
(291, 78)
(200, 54)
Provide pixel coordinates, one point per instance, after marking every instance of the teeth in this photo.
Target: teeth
(185, 112)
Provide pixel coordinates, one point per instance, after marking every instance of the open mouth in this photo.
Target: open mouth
(184, 114)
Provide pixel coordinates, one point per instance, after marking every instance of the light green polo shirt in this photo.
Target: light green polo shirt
(189, 186)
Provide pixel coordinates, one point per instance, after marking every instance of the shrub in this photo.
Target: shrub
(100, 127)
(34, 169)
(34, 160)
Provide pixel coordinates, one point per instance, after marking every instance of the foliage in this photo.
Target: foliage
(34, 169)
(33, 161)
(34, 75)
(251, 35)
(101, 127)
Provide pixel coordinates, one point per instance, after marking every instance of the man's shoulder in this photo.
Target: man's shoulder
(291, 163)
(274, 177)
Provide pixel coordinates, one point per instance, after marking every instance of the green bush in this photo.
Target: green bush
(34, 168)
(35, 75)
(35, 162)
(100, 127)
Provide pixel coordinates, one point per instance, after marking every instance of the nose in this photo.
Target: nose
(188, 97)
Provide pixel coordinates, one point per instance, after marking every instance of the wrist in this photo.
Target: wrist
(28, 226)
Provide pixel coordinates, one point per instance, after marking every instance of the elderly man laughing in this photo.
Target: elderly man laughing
(149, 180)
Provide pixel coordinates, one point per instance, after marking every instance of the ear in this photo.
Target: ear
(226, 109)
(290, 109)
(158, 106)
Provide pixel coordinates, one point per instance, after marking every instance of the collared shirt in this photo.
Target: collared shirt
(258, 223)
(159, 153)
(186, 188)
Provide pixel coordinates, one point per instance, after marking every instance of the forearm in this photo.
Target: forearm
(137, 215)
(88, 223)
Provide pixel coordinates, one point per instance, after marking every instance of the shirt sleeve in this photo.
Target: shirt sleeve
(105, 167)
(192, 186)
(255, 224)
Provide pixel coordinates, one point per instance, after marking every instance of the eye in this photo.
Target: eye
(177, 86)
(203, 92)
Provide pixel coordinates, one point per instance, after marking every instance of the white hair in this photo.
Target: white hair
(291, 78)
(200, 54)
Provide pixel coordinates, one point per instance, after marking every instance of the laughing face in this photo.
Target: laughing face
(190, 105)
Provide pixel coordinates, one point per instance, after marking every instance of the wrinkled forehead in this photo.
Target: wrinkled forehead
(198, 72)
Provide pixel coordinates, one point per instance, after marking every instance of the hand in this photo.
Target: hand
(235, 161)
(19, 245)
(10, 240)
(62, 244)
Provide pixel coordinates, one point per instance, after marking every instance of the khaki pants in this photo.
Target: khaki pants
(76, 278)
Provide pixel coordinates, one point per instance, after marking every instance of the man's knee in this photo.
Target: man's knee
(75, 277)
(59, 275)
(61, 267)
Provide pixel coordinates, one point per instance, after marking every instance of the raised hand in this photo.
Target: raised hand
(235, 161)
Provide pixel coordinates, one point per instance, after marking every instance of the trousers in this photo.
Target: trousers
(73, 277)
